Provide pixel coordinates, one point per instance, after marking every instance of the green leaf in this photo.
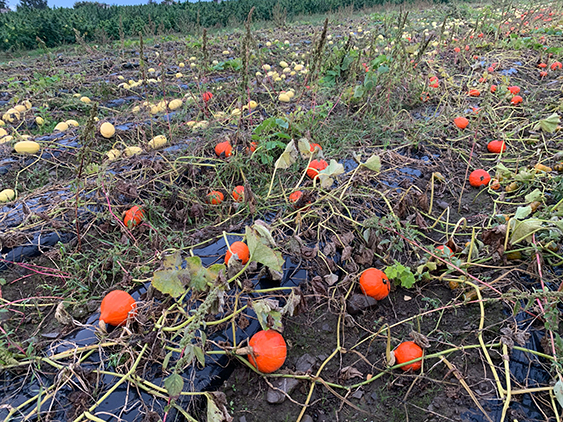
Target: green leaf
(523, 212)
(262, 253)
(523, 230)
(549, 124)
(535, 195)
(6, 357)
(166, 360)
(359, 92)
(200, 356)
(173, 279)
(288, 157)
(401, 274)
(373, 163)
(174, 385)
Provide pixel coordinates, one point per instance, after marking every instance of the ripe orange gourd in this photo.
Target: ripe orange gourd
(313, 146)
(375, 283)
(517, 99)
(496, 146)
(238, 193)
(206, 96)
(474, 93)
(479, 178)
(269, 350)
(116, 308)
(215, 197)
(133, 217)
(461, 122)
(514, 89)
(493, 88)
(224, 148)
(407, 351)
(315, 166)
(444, 250)
(294, 197)
(240, 249)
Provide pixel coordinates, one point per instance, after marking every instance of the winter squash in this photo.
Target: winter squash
(107, 130)
(27, 147)
(239, 249)
(134, 216)
(517, 99)
(514, 89)
(238, 193)
(375, 283)
(223, 149)
(461, 122)
(496, 147)
(206, 96)
(407, 351)
(215, 197)
(315, 167)
(444, 250)
(479, 178)
(269, 350)
(116, 307)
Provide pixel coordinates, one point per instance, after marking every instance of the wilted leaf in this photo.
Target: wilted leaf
(6, 357)
(535, 195)
(558, 391)
(523, 230)
(331, 279)
(262, 253)
(304, 147)
(174, 385)
(549, 124)
(172, 279)
(349, 372)
(200, 356)
(216, 409)
(269, 314)
(263, 230)
(523, 212)
(292, 302)
(373, 163)
(326, 175)
(201, 276)
(288, 157)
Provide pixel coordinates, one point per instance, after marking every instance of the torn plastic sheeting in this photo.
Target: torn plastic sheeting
(126, 401)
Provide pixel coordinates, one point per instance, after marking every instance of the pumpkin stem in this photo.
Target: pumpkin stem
(244, 351)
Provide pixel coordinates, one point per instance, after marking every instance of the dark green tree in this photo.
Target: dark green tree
(33, 4)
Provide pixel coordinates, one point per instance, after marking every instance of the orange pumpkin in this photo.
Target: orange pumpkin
(474, 93)
(133, 217)
(116, 307)
(223, 149)
(375, 283)
(238, 193)
(315, 167)
(514, 89)
(517, 99)
(215, 197)
(295, 196)
(444, 250)
(269, 351)
(241, 251)
(496, 146)
(479, 178)
(313, 147)
(461, 122)
(407, 351)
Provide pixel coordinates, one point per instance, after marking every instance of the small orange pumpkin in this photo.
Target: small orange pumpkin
(479, 178)
(315, 167)
(474, 93)
(223, 149)
(116, 307)
(407, 351)
(133, 217)
(238, 193)
(514, 89)
(269, 351)
(375, 283)
(517, 99)
(444, 250)
(215, 197)
(239, 249)
(461, 122)
(496, 146)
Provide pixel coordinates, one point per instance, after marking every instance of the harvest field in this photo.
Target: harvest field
(423, 141)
